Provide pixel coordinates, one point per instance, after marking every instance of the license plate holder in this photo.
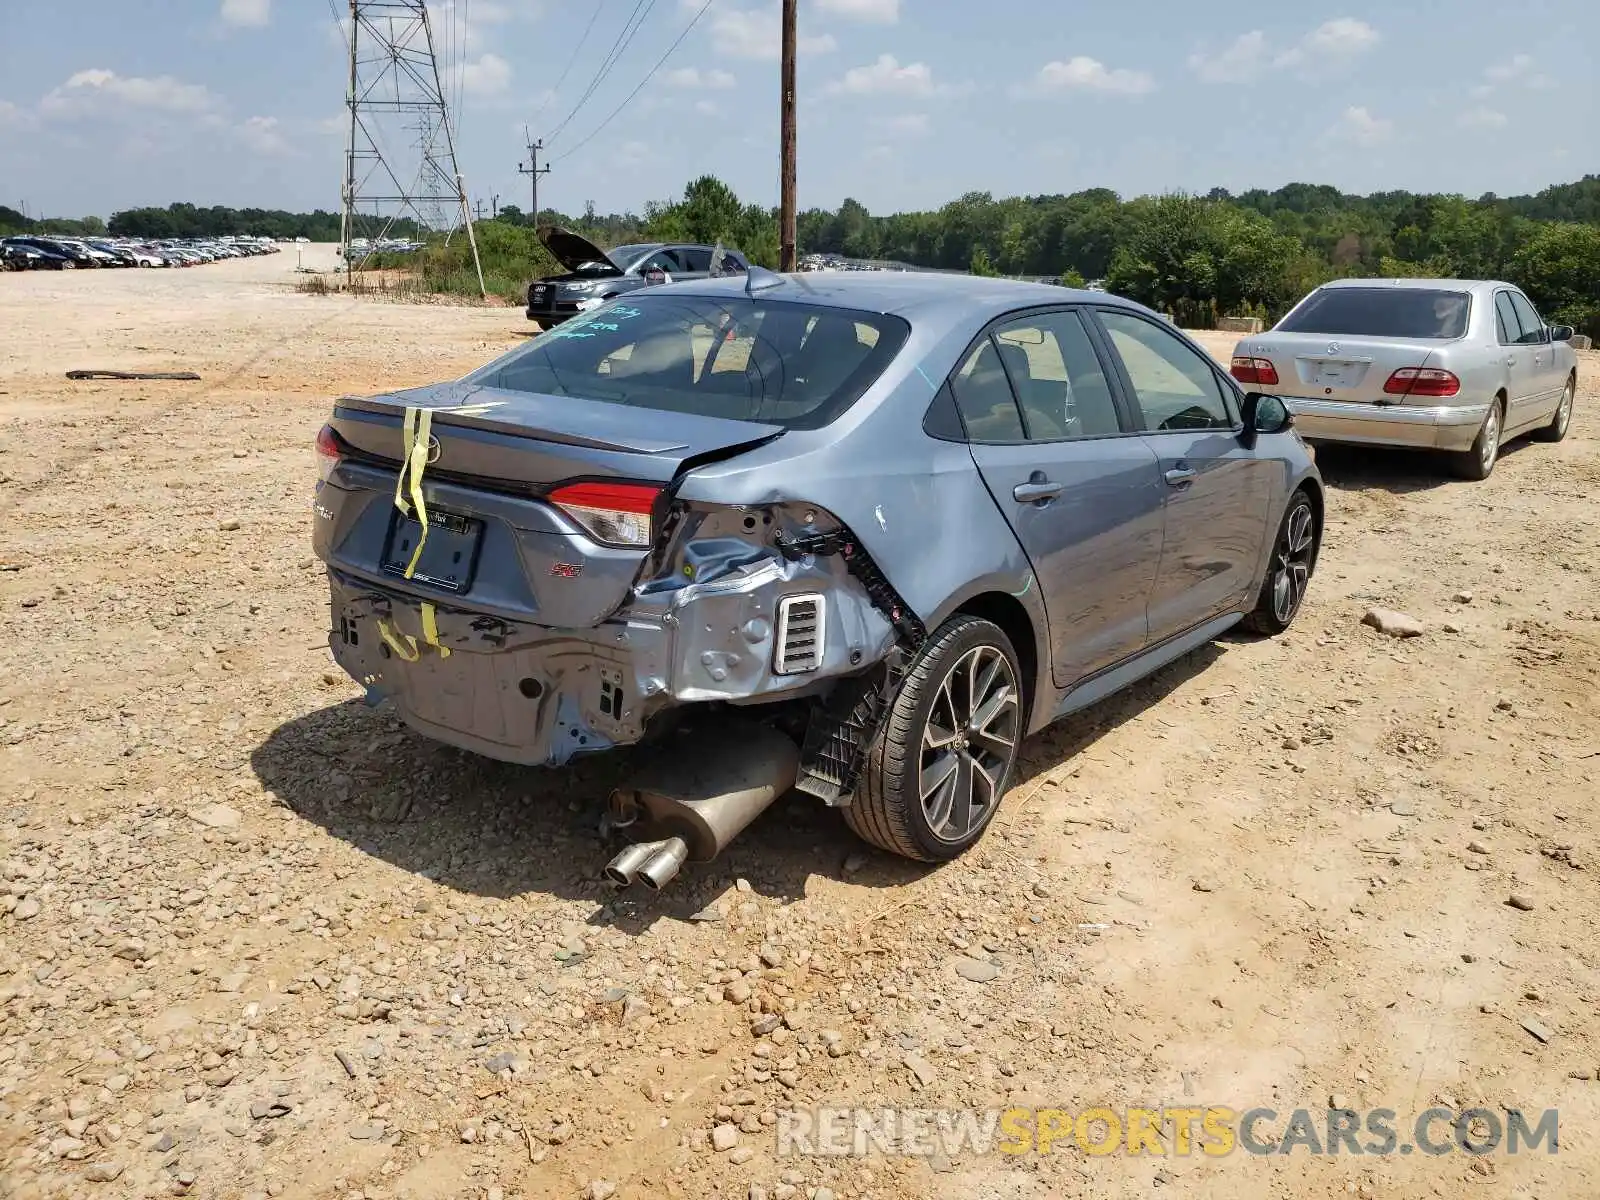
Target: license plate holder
(1334, 374)
(449, 556)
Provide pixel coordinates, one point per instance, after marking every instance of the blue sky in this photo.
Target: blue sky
(904, 103)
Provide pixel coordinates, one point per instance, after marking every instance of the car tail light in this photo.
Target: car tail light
(329, 451)
(617, 514)
(1254, 370)
(1422, 381)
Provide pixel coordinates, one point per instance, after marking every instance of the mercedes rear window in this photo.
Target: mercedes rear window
(1381, 312)
(778, 362)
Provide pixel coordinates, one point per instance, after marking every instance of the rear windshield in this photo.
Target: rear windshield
(1381, 312)
(779, 362)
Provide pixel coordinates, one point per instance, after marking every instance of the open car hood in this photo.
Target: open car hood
(573, 250)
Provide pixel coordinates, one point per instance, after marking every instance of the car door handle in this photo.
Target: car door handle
(1180, 476)
(1511, 360)
(1036, 491)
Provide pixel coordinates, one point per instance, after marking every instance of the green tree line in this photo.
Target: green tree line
(1195, 257)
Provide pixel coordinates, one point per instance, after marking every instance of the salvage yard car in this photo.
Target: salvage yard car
(595, 275)
(855, 534)
(1456, 365)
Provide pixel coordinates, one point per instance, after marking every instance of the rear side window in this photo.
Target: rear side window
(694, 260)
(1533, 328)
(1057, 377)
(1381, 312)
(983, 394)
(1505, 320)
(778, 362)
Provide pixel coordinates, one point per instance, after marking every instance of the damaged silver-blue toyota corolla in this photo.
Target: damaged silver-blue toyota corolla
(857, 536)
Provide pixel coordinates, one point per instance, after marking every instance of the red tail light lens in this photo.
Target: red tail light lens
(1254, 370)
(1422, 381)
(328, 451)
(616, 514)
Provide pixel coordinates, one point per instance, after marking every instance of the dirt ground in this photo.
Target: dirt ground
(258, 940)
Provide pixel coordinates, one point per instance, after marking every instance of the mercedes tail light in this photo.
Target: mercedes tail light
(329, 452)
(1254, 370)
(614, 514)
(1422, 381)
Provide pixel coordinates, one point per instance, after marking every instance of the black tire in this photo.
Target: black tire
(1561, 420)
(889, 808)
(1289, 571)
(1477, 464)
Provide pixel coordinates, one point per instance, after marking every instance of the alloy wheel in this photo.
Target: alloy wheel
(1292, 563)
(1564, 413)
(969, 742)
(1491, 436)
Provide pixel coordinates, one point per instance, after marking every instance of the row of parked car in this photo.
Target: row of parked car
(39, 252)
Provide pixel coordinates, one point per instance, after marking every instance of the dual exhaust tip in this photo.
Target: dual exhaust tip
(654, 864)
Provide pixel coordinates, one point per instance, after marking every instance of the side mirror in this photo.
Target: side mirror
(1561, 333)
(1263, 414)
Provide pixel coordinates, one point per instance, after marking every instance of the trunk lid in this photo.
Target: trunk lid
(497, 541)
(1352, 369)
(527, 442)
(573, 251)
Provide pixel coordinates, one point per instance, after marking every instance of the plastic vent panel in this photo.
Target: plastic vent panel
(801, 627)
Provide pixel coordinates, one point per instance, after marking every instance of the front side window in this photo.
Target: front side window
(778, 362)
(1175, 384)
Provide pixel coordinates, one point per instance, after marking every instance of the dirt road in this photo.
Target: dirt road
(258, 940)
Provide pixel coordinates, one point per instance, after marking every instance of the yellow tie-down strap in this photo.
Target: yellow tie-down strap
(416, 431)
(407, 646)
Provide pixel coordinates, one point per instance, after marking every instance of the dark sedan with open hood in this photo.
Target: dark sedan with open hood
(595, 275)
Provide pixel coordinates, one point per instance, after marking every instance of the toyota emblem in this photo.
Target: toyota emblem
(1333, 347)
(433, 449)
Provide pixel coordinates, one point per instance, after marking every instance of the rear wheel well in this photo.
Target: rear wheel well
(1007, 612)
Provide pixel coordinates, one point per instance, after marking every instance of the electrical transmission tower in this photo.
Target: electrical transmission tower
(397, 99)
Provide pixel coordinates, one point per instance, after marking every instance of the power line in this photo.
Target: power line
(660, 62)
(613, 56)
(571, 62)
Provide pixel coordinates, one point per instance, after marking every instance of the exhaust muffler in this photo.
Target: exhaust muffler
(689, 806)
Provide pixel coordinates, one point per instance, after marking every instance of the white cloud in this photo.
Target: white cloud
(1240, 60)
(1084, 74)
(15, 116)
(1483, 117)
(262, 136)
(246, 13)
(886, 77)
(879, 12)
(707, 108)
(1332, 43)
(907, 125)
(757, 33)
(97, 88)
(1519, 69)
(1359, 125)
(691, 77)
(489, 76)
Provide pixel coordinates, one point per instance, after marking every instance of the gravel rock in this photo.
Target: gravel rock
(599, 1189)
(102, 1172)
(976, 969)
(724, 1138)
(216, 816)
(1395, 624)
(1521, 901)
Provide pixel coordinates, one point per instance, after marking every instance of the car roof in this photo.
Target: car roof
(1431, 285)
(905, 292)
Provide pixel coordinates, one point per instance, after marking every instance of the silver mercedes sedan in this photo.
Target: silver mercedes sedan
(1456, 365)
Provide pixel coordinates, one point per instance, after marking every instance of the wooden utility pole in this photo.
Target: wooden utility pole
(786, 139)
